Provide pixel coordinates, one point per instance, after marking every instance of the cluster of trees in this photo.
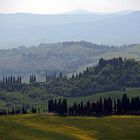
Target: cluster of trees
(22, 110)
(127, 106)
(53, 78)
(108, 75)
(59, 107)
(32, 79)
(49, 78)
(101, 107)
(11, 80)
(91, 108)
(98, 108)
(13, 111)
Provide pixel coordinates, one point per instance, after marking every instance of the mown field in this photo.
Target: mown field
(43, 127)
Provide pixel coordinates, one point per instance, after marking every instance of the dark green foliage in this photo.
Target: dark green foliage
(12, 80)
(101, 107)
(14, 111)
(32, 79)
(59, 107)
(34, 110)
(108, 75)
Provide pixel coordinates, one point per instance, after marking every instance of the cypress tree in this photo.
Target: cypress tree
(14, 79)
(119, 106)
(60, 75)
(3, 81)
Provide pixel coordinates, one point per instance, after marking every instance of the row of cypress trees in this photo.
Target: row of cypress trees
(32, 79)
(23, 110)
(11, 79)
(59, 107)
(99, 108)
(53, 77)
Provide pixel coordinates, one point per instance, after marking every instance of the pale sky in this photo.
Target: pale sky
(60, 6)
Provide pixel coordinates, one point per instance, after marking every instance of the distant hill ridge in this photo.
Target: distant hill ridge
(108, 75)
(30, 29)
(66, 57)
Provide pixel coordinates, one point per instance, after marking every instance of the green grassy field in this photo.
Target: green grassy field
(39, 98)
(43, 127)
(131, 92)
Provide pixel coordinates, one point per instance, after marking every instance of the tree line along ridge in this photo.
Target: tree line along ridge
(107, 75)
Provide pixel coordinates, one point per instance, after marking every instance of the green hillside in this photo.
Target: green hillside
(112, 77)
(108, 75)
(131, 92)
(67, 57)
(38, 97)
(131, 51)
(43, 127)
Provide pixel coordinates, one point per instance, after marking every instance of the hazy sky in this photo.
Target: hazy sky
(60, 6)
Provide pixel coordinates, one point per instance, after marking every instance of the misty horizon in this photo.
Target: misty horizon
(55, 6)
(79, 11)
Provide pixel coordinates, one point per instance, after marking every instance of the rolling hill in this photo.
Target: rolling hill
(71, 128)
(66, 57)
(112, 77)
(30, 29)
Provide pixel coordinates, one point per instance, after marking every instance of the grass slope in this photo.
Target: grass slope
(67, 58)
(39, 97)
(131, 92)
(43, 127)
